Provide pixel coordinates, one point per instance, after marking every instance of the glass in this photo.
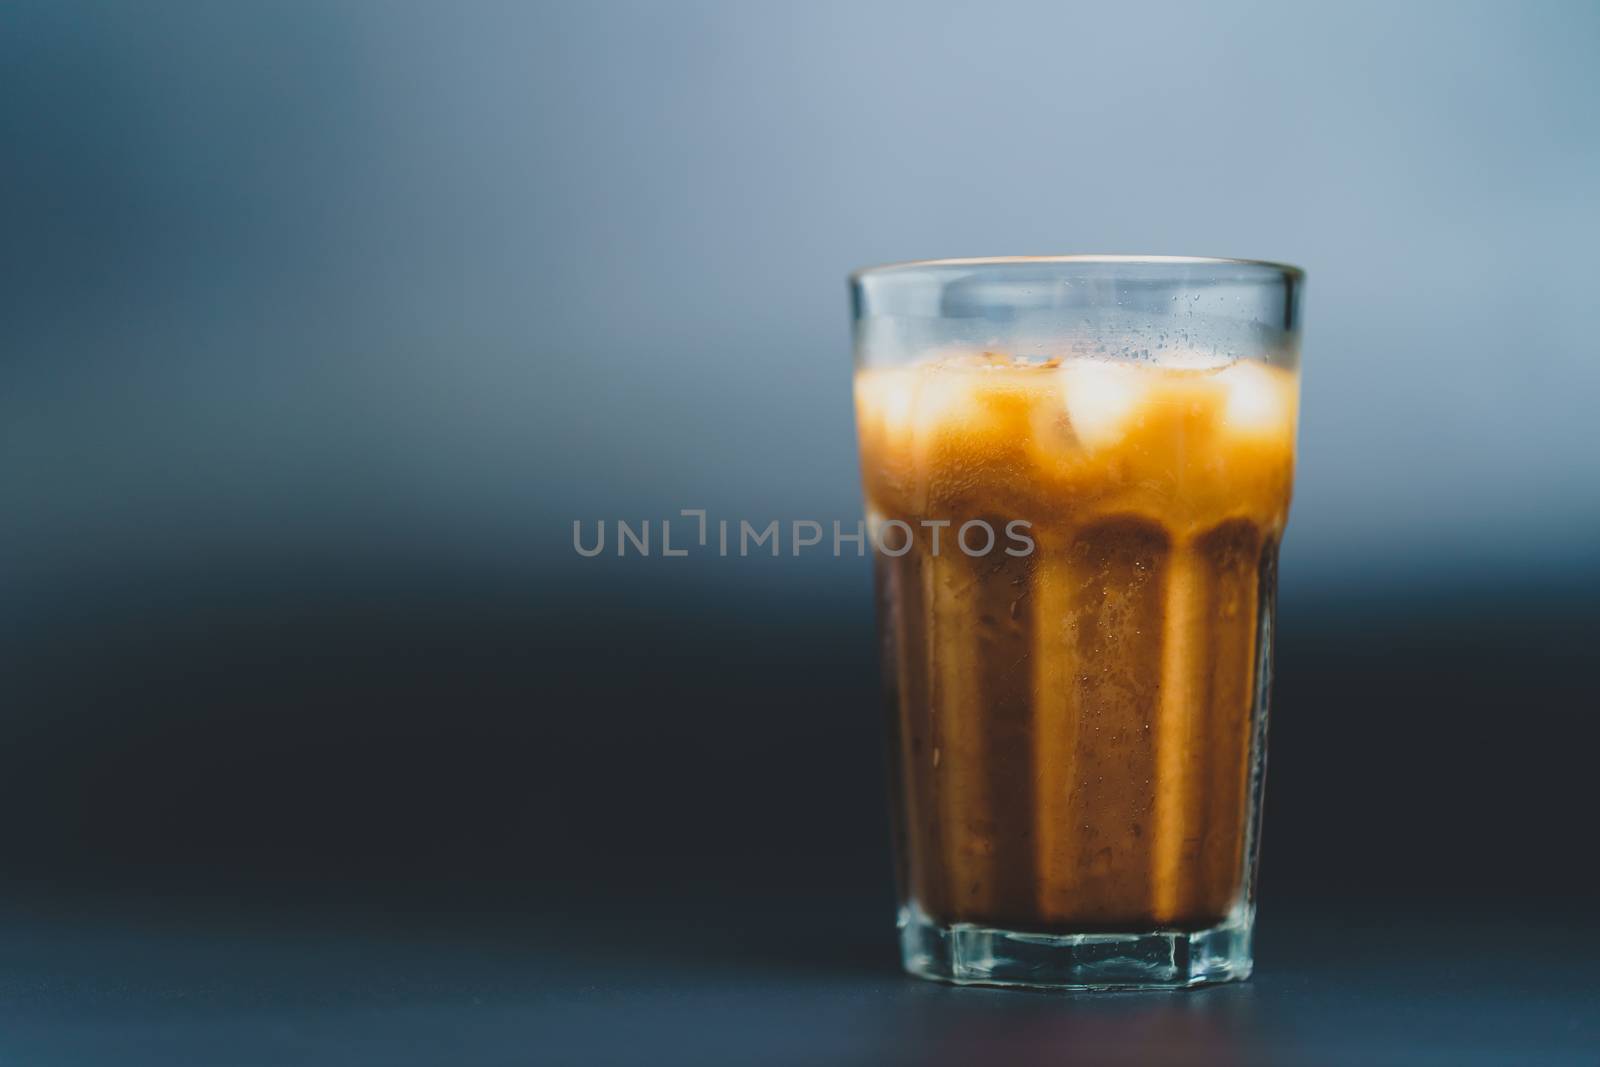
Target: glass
(1077, 471)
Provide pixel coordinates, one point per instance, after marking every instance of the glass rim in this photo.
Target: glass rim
(1287, 270)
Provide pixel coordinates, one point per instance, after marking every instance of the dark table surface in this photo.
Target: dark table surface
(808, 981)
(503, 841)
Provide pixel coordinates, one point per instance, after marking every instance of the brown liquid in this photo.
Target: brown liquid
(1075, 725)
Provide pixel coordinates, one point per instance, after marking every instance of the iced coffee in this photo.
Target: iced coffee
(1076, 706)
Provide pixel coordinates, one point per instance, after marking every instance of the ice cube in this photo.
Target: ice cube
(1260, 398)
(887, 398)
(947, 399)
(1194, 359)
(1100, 396)
(918, 401)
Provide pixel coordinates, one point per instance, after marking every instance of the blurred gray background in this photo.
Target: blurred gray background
(339, 281)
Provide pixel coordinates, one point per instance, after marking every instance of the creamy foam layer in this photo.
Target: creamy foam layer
(1048, 441)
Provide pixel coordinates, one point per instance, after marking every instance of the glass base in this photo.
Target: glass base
(967, 954)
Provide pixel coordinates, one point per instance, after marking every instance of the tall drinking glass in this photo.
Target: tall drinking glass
(1077, 473)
